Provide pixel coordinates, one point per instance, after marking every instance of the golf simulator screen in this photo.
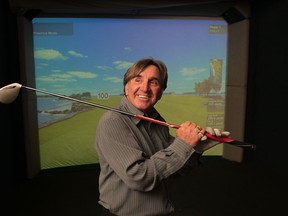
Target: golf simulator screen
(86, 58)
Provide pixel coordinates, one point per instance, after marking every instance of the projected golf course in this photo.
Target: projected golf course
(70, 141)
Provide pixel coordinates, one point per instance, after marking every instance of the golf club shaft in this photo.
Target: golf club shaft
(80, 101)
(220, 139)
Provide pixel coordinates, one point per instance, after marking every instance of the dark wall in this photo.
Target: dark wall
(266, 99)
(267, 83)
(13, 172)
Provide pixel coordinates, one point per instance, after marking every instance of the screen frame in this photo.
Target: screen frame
(236, 84)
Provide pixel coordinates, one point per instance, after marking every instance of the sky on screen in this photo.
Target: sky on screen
(99, 51)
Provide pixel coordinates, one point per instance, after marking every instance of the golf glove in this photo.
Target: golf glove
(206, 143)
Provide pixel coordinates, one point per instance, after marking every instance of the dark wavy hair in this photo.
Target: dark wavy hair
(141, 65)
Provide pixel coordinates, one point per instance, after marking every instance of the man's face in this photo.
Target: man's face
(145, 90)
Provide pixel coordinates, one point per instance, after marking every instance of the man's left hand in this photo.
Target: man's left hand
(205, 143)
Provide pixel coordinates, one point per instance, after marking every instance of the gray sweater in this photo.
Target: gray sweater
(136, 157)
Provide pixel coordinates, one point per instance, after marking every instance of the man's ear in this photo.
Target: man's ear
(126, 89)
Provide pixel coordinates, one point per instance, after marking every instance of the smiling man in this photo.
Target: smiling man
(137, 157)
(143, 88)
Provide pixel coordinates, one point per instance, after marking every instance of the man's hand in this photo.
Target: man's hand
(205, 143)
(191, 133)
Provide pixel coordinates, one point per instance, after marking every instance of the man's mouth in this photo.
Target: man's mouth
(143, 96)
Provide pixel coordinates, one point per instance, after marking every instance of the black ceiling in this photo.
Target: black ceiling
(211, 8)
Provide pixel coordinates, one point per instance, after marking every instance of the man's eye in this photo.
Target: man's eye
(154, 82)
(137, 80)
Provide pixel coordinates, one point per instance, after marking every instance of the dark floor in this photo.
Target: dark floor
(218, 188)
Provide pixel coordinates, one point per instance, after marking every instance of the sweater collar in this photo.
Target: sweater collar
(129, 107)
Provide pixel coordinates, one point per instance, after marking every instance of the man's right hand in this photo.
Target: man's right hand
(190, 132)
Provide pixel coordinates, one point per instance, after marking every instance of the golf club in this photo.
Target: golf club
(10, 92)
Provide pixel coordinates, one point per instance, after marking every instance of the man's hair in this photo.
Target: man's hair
(141, 65)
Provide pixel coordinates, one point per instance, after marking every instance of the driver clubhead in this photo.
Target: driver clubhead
(9, 93)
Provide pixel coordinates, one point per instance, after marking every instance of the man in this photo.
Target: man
(136, 157)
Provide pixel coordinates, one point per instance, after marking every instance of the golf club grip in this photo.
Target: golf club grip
(220, 139)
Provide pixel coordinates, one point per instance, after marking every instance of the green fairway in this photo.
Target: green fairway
(71, 141)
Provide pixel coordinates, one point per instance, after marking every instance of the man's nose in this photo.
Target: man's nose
(145, 86)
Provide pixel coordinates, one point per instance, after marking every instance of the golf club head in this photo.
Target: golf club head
(9, 93)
